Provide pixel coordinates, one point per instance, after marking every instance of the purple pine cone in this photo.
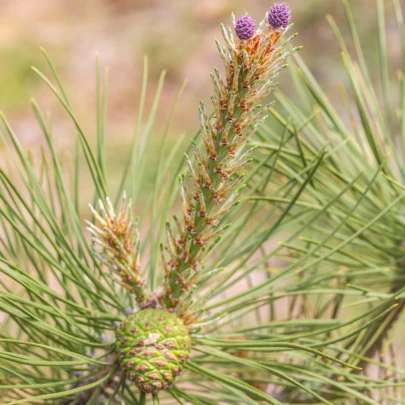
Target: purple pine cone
(245, 27)
(279, 16)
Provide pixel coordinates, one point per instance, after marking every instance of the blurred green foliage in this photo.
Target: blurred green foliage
(177, 35)
(16, 79)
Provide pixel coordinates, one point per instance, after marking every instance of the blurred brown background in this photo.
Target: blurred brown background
(177, 35)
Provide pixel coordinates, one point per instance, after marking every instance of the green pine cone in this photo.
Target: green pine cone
(152, 346)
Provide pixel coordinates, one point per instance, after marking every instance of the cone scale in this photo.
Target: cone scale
(152, 346)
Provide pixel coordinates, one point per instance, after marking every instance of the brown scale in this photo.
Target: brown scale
(216, 198)
(192, 229)
(200, 242)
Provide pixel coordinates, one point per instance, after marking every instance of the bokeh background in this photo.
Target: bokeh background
(177, 35)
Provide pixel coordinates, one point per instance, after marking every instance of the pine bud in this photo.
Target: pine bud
(245, 27)
(279, 16)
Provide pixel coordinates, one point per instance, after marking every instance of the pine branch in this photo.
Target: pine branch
(252, 63)
(68, 329)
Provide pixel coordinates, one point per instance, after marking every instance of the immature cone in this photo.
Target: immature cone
(279, 16)
(152, 345)
(245, 27)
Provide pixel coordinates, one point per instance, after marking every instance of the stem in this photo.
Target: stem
(251, 68)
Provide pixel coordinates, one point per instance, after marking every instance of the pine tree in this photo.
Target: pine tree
(197, 309)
